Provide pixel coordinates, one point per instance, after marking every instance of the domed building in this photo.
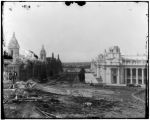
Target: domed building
(13, 47)
(10, 64)
(24, 64)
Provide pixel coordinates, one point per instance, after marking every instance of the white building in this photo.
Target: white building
(13, 47)
(115, 69)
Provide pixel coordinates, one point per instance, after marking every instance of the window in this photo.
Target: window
(114, 75)
(134, 72)
(134, 81)
(128, 81)
(128, 72)
(114, 71)
(139, 72)
(11, 52)
(114, 81)
(139, 81)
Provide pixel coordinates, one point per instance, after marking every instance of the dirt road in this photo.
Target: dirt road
(89, 78)
(82, 101)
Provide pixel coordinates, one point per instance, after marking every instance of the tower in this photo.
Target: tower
(58, 57)
(13, 47)
(52, 55)
(114, 53)
(43, 54)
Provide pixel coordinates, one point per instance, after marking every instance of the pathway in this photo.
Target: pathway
(89, 78)
(137, 98)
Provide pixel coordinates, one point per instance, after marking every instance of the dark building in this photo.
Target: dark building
(29, 68)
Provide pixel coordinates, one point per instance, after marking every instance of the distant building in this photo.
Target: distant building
(13, 47)
(15, 51)
(43, 54)
(115, 69)
(19, 62)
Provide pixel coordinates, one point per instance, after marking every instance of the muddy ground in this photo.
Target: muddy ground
(118, 104)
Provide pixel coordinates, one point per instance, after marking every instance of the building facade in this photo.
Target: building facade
(13, 47)
(43, 54)
(26, 65)
(113, 68)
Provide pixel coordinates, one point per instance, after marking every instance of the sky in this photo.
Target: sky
(77, 33)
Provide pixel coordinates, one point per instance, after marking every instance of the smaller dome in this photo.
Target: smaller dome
(13, 43)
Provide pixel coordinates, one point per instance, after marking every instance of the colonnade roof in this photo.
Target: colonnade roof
(134, 57)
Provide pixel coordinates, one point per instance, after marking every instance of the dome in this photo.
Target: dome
(13, 43)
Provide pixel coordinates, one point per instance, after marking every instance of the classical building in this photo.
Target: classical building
(113, 68)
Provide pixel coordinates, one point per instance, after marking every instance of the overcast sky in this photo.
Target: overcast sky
(77, 33)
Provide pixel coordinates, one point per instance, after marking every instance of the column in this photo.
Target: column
(142, 75)
(98, 71)
(136, 75)
(131, 75)
(104, 75)
(118, 78)
(125, 75)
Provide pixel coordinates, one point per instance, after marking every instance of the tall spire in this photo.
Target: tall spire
(58, 57)
(43, 54)
(52, 55)
(13, 47)
(14, 35)
(42, 47)
(13, 43)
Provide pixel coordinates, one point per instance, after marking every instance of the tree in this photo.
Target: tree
(82, 75)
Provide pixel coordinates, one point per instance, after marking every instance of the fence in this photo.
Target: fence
(33, 70)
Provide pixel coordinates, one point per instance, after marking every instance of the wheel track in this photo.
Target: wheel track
(43, 113)
(137, 98)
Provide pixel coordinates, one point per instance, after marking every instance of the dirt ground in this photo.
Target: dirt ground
(141, 95)
(84, 101)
